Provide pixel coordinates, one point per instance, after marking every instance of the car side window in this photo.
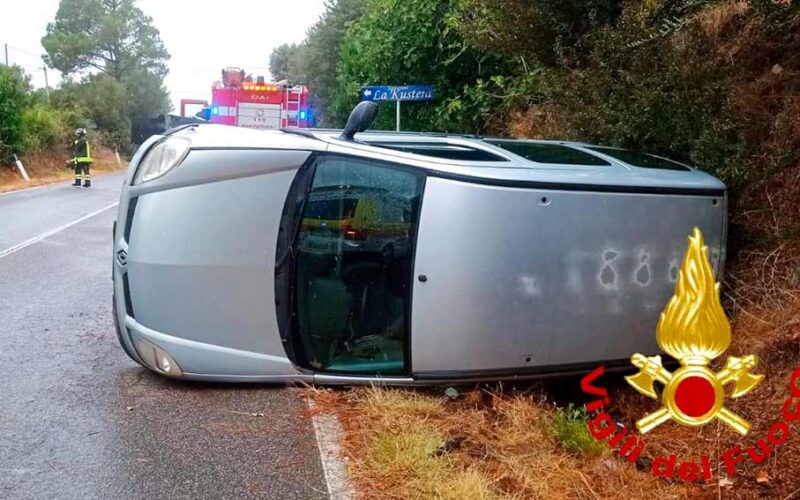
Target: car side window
(354, 264)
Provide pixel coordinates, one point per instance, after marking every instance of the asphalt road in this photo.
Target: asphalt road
(79, 419)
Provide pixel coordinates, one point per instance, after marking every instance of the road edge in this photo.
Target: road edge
(329, 432)
(98, 173)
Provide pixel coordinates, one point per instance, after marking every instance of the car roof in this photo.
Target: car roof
(497, 164)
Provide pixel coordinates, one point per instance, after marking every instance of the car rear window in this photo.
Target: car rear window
(642, 160)
(440, 150)
(549, 153)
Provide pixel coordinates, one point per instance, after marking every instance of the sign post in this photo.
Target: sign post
(397, 93)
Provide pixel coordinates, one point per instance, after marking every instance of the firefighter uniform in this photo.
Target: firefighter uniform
(81, 159)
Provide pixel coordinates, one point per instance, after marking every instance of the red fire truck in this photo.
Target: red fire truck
(254, 103)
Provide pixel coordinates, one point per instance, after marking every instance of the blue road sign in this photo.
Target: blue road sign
(381, 93)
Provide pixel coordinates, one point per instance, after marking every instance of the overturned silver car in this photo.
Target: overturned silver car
(409, 258)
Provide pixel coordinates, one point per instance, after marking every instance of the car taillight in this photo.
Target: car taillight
(353, 234)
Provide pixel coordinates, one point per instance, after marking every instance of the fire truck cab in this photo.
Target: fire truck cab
(255, 103)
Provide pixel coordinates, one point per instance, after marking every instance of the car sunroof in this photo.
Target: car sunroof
(440, 150)
(642, 160)
(549, 153)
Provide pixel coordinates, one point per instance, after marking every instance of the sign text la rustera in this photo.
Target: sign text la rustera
(387, 93)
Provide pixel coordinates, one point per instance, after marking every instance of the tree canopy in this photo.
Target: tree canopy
(674, 77)
(314, 62)
(114, 61)
(281, 61)
(110, 36)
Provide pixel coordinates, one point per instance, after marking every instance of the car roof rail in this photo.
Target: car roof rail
(175, 130)
(299, 131)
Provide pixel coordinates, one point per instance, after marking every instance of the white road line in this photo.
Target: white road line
(36, 239)
(24, 190)
(328, 431)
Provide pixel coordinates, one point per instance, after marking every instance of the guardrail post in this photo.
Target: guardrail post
(21, 169)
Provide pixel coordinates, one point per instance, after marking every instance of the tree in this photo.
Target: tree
(550, 32)
(314, 62)
(413, 41)
(110, 36)
(118, 52)
(14, 88)
(280, 61)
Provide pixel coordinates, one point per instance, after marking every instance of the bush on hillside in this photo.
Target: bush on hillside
(28, 122)
(46, 127)
(710, 83)
(14, 89)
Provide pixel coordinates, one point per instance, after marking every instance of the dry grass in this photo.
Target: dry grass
(771, 207)
(717, 18)
(500, 444)
(47, 167)
(539, 121)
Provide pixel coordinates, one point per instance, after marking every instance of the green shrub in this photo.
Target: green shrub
(570, 429)
(14, 88)
(44, 126)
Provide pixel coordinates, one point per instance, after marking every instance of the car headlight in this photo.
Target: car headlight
(162, 158)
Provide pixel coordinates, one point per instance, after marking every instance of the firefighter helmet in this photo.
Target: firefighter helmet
(80, 131)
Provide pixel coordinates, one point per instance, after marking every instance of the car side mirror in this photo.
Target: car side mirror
(360, 120)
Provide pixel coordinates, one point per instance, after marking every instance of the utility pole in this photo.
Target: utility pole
(46, 84)
(6, 45)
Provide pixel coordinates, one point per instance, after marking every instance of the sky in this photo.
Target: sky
(202, 37)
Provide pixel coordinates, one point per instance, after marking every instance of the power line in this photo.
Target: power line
(24, 51)
(24, 66)
(31, 69)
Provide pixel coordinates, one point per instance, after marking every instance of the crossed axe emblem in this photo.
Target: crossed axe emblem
(702, 396)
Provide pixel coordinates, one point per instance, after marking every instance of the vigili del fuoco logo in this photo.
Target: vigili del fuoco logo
(694, 330)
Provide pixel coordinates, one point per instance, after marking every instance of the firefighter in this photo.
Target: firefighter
(81, 158)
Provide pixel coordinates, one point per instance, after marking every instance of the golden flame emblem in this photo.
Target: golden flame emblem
(694, 330)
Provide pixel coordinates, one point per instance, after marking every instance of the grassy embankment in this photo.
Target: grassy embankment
(47, 167)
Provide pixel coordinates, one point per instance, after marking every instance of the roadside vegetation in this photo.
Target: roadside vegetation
(715, 84)
(47, 167)
(710, 83)
(113, 63)
(486, 443)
